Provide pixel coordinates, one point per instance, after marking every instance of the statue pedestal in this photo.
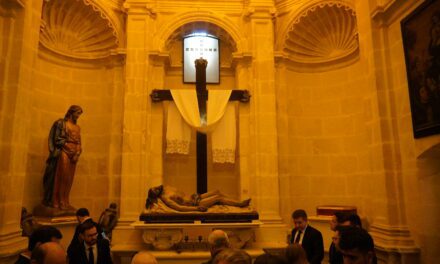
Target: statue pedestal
(54, 215)
(181, 243)
(194, 236)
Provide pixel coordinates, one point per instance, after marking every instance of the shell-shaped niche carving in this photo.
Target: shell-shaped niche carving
(73, 29)
(323, 34)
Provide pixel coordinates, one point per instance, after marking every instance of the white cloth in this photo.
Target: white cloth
(220, 121)
(178, 135)
(224, 137)
(186, 102)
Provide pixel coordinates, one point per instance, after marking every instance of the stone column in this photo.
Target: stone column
(389, 228)
(139, 123)
(263, 157)
(19, 31)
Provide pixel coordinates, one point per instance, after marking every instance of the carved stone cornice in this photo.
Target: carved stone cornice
(140, 8)
(244, 58)
(259, 12)
(386, 13)
(159, 58)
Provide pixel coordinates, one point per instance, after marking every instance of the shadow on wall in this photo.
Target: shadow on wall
(428, 176)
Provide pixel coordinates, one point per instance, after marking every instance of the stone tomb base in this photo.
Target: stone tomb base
(179, 242)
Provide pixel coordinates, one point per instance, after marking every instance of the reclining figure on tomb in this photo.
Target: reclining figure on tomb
(167, 204)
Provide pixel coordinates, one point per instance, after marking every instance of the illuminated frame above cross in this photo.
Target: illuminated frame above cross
(200, 65)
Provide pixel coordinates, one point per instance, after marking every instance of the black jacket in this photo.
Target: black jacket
(77, 254)
(334, 256)
(75, 238)
(22, 260)
(312, 244)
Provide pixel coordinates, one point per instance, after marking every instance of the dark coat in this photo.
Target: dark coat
(22, 260)
(312, 244)
(75, 239)
(77, 254)
(334, 256)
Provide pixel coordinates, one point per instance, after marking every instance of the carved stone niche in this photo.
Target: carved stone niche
(77, 30)
(194, 236)
(322, 37)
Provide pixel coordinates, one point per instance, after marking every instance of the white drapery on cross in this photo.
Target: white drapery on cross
(184, 114)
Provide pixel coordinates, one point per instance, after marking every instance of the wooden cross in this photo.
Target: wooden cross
(202, 96)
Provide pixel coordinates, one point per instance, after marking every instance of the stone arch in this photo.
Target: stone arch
(208, 17)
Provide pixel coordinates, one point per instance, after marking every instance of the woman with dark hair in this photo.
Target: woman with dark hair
(183, 203)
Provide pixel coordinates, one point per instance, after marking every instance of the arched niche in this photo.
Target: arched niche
(180, 170)
(322, 36)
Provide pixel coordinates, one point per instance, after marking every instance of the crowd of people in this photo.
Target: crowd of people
(351, 244)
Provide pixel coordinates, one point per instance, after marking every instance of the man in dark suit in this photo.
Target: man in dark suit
(91, 250)
(308, 237)
(82, 216)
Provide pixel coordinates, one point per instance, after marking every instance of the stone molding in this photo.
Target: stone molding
(387, 13)
(9, 8)
(12, 244)
(334, 44)
(115, 59)
(393, 239)
(78, 29)
(140, 8)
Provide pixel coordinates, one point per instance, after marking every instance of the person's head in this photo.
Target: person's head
(42, 235)
(355, 220)
(49, 253)
(153, 194)
(143, 257)
(300, 219)
(295, 254)
(232, 256)
(113, 206)
(269, 259)
(218, 240)
(339, 218)
(337, 234)
(88, 233)
(356, 246)
(82, 214)
(73, 113)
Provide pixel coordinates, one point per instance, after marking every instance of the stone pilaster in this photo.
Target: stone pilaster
(389, 228)
(138, 120)
(263, 121)
(263, 144)
(19, 39)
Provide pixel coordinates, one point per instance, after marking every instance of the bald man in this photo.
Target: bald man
(143, 257)
(218, 240)
(49, 253)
